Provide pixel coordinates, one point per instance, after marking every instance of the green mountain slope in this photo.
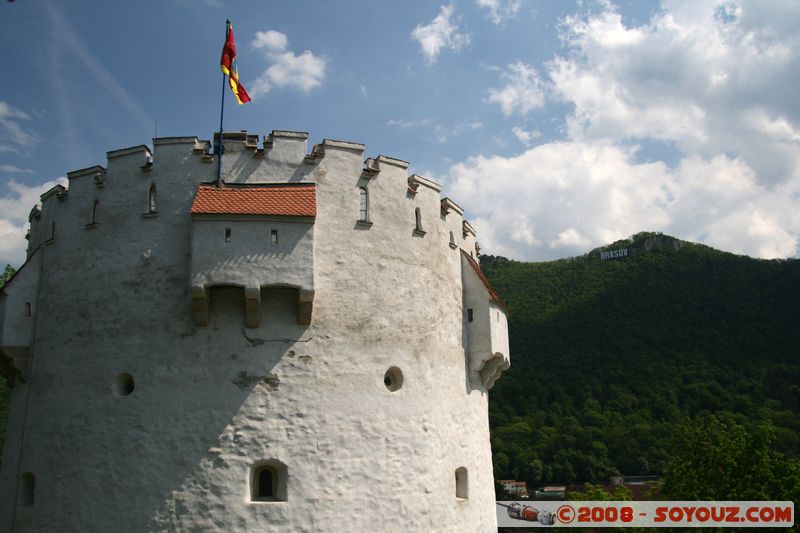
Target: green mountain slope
(610, 355)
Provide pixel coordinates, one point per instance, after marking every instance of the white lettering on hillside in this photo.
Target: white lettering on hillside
(612, 254)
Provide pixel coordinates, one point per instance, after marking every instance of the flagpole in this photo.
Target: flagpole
(221, 113)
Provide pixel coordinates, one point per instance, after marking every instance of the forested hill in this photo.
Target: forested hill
(612, 350)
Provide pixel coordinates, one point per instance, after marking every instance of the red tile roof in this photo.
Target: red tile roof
(492, 293)
(288, 200)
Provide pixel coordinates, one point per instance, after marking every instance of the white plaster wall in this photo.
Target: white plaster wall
(498, 329)
(468, 245)
(453, 223)
(210, 401)
(487, 334)
(398, 296)
(249, 259)
(16, 329)
(479, 333)
(282, 160)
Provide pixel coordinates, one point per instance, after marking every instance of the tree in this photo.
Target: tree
(610, 356)
(598, 493)
(714, 458)
(6, 275)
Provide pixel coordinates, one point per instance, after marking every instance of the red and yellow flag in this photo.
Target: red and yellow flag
(228, 66)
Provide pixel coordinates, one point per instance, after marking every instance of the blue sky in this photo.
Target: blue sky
(559, 126)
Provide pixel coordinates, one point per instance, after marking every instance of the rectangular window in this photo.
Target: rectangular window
(27, 309)
(469, 315)
(227, 234)
(363, 208)
(273, 236)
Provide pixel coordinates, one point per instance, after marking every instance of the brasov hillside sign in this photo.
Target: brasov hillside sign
(613, 254)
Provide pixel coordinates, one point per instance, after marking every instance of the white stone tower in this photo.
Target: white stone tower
(307, 347)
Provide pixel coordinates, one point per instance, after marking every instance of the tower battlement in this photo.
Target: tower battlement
(283, 157)
(317, 318)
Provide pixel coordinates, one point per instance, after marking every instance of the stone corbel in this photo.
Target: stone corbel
(305, 306)
(489, 368)
(252, 305)
(200, 305)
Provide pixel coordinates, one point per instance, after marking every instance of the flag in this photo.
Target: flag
(228, 66)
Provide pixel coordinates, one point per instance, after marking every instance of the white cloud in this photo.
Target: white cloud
(12, 134)
(287, 69)
(273, 41)
(444, 134)
(403, 123)
(715, 81)
(11, 169)
(441, 33)
(712, 77)
(523, 92)
(524, 136)
(571, 238)
(14, 210)
(440, 133)
(562, 198)
(500, 10)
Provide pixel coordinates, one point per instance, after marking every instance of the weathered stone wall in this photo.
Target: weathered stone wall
(211, 402)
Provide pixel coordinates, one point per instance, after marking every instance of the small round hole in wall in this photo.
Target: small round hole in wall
(393, 379)
(123, 385)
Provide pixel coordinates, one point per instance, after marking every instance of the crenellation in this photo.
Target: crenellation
(166, 141)
(317, 152)
(201, 147)
(170, 148)
(452, 215)
(35, 213)
(386, 160)
(449, 205)
(45, 232)
(288, 134)
(371, 168)
(95, 171)
(59, 190)
(232, 141)
(141, 150)
(343, 145)
(286, 147)
(468, 229)
(468, 239)
(417, 180)
(136, 157)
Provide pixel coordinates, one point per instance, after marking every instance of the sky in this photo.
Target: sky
(558, 126)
